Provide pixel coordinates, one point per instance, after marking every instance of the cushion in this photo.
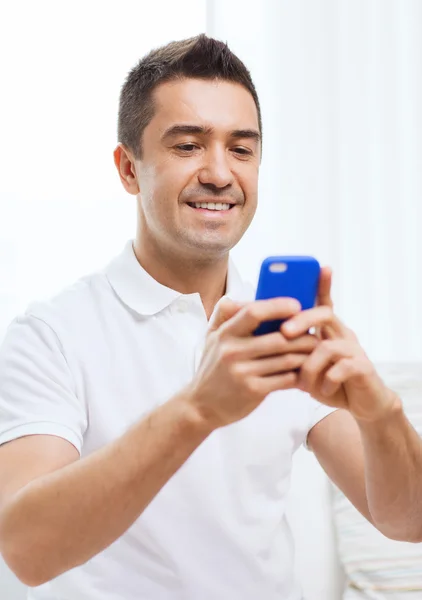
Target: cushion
(377, 567)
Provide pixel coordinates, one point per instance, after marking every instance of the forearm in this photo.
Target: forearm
(393, 473)
(62, 520)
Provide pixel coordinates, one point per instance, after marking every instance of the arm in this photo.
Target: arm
(61, 518)
(393, 472)
(57, 512)
(378, 466)
(372, 453)
(346, 465)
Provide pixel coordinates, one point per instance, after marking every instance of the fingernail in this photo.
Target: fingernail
(290, 327)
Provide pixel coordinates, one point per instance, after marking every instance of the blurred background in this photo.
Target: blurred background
(340, 84)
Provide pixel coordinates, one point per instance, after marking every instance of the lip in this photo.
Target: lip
(213, 214)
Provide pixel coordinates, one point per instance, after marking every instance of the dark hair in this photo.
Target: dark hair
(200, 57)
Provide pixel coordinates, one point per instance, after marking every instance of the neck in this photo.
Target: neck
(207, 277)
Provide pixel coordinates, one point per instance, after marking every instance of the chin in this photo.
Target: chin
(211, 249)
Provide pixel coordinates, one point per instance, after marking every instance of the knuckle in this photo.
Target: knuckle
(227, 351)
(271, 343)
(312, 342)
(253, 387)
(325, 313)
(251, 312)
(288, 381)
(292, 378)
(326, 346)
(331, 377)
(305, 371)
(237, 371)
(352, 367)
(280, 342)
(291, 361)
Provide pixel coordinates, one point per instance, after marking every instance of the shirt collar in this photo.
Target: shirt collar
(146, 296)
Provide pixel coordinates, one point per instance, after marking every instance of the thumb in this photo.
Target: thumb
(225, 310)
(324, 289)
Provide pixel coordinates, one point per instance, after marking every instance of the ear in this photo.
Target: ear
(125, 164)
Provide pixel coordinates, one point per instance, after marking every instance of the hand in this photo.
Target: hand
(338, 372)
(238, 370)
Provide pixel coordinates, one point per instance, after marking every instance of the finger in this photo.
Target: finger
(324, 299)
(321, 316)
(275, 365)
(273, 344)
(273, 383)
(324, 287)
(246, 321)
(224, 311)
(338, 374)
(326, 353)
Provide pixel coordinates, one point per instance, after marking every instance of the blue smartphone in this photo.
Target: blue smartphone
(288, 277)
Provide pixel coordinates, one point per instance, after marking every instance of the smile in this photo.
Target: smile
(211, 205)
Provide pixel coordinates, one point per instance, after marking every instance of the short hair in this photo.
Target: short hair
(200, 57)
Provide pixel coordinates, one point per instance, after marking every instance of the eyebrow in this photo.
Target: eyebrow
(175, 130)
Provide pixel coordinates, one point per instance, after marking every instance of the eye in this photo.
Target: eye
(242, 151)
(186, 147)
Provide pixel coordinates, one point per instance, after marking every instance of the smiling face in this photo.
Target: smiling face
(197, 178)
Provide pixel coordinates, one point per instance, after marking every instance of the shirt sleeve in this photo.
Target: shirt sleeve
(37, 391)
(317, 413)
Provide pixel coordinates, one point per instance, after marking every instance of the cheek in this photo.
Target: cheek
(248, 180)
(160, 191)
(171, 177)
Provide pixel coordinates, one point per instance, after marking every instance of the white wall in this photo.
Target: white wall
(63, 209)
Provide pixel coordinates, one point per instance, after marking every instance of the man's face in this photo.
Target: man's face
(198, 175)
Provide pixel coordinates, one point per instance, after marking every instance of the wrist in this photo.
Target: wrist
(392, 408)
(194, 420)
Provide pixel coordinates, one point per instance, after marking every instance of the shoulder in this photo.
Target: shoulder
(71, 307)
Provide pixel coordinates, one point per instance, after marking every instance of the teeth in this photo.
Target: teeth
(212, 205)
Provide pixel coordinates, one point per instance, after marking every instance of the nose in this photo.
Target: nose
(216, 172)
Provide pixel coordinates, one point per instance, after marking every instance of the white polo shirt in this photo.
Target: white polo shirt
(98, 357)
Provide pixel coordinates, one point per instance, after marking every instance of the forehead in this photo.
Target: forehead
(223, 105)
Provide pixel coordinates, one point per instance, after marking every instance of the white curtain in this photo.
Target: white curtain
(63, 211)
(340, 82)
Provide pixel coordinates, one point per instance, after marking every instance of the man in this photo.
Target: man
(146, 434)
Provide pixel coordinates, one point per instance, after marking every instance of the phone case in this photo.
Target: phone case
(287, 276)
